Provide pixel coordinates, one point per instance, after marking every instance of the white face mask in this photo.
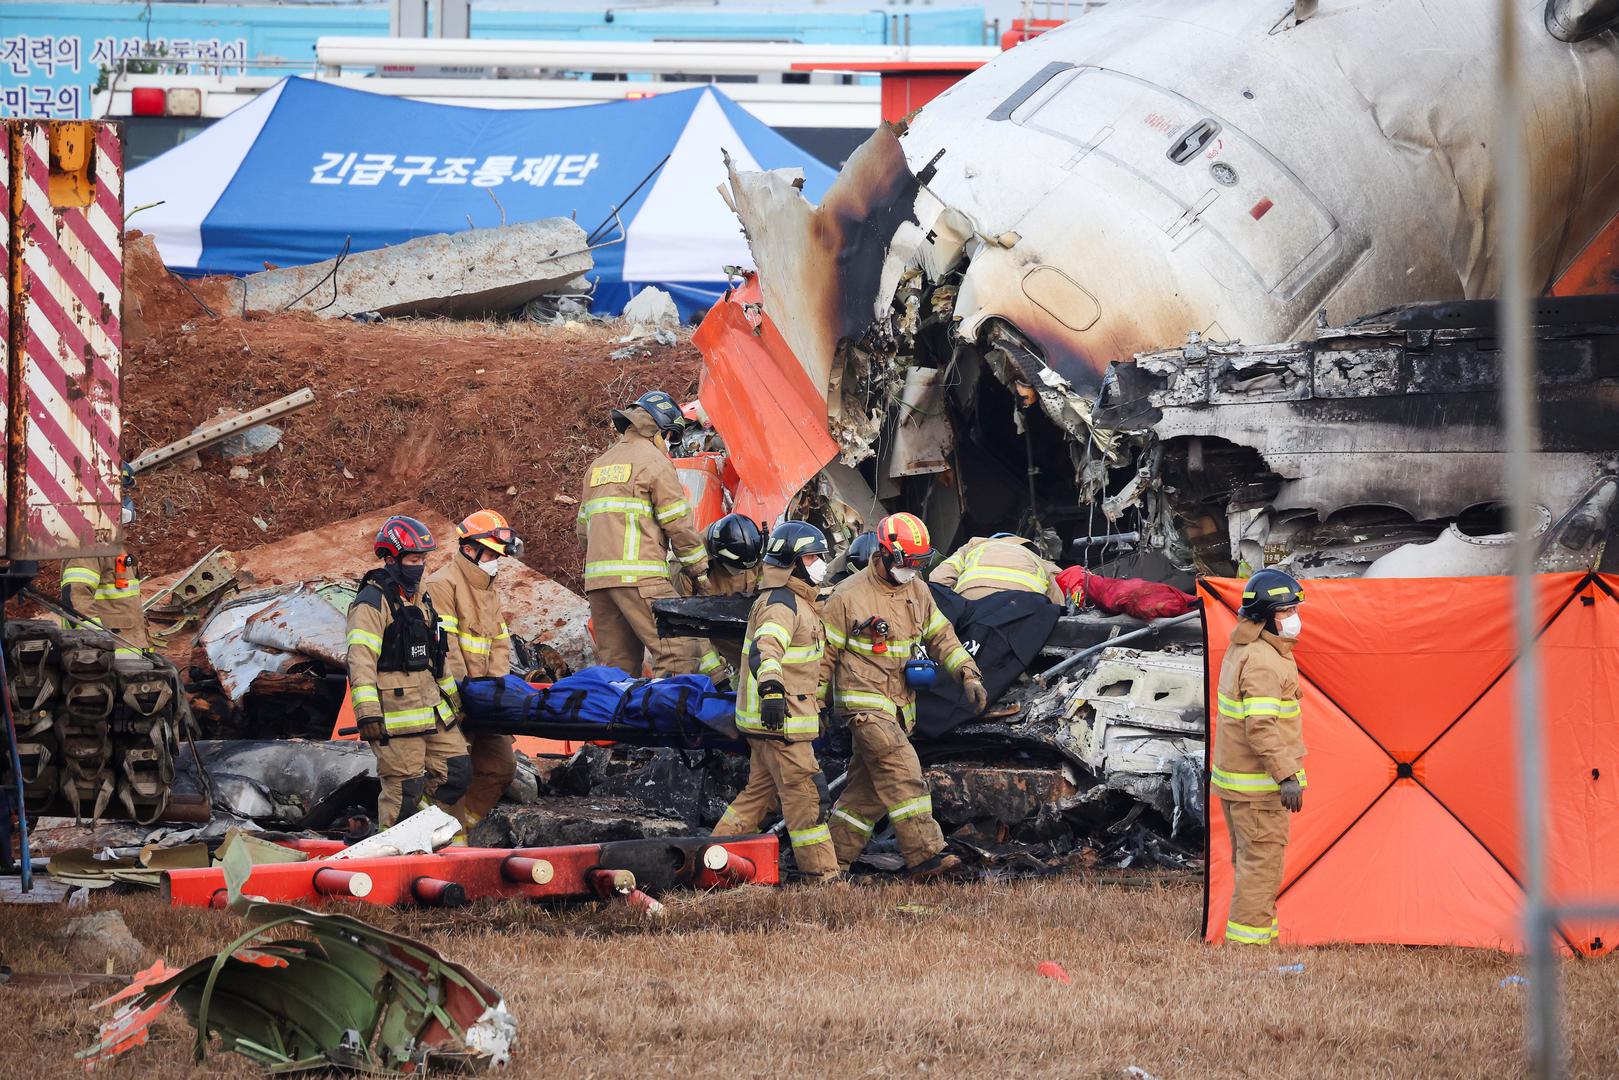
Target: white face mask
(1289, 625)
(815, 571)
(492, 567)
(903, 574)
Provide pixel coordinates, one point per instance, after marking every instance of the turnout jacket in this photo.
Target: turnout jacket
(984, 566)
(408, 702)
(1259, 735)
(723, 580)
(477, 641)
(107, 592)
(785, 643)
(633, 506)
(866, 680)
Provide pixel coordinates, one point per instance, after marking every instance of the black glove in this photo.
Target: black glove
(1292, 794)
(773, 706)
(373, 730)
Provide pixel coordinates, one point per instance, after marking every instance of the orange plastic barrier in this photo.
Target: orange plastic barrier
(1409, 832)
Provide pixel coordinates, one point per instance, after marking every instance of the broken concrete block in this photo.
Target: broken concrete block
(471, 274)
(250, 443)
(90, 941)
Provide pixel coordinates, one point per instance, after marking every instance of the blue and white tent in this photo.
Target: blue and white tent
(305, 167)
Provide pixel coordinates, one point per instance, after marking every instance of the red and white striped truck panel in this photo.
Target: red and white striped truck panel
(65, 342)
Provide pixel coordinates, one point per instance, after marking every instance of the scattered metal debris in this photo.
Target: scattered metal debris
(397, 1005)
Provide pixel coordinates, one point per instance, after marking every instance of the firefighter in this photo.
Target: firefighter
(105, 591)
(778, 702)
(477, 641)
(986, 565)
(1258, 764)
(876, 623)
(735, 546)
(404, 699)
(857, 557)
(632, 509)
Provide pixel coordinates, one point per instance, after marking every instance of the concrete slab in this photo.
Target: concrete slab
(473, 274)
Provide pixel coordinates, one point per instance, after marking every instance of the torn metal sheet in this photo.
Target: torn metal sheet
(426, 830)
(771, 415)
(398, 1005)
(311, 618)
(1330, 455)
(923, 440)
(237, 661)
(285, 782)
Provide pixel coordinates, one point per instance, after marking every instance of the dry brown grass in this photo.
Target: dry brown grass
(897, 980)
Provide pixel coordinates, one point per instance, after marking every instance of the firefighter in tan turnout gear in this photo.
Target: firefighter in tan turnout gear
(106, 591)
(986, 565)
(778, 702)
(404, 700)
(877, 621)
(634, 508)
(1257, 768)
(735, 546)
(477, 642)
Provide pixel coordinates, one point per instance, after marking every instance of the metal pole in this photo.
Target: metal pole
(1517, 391)
(25, 860)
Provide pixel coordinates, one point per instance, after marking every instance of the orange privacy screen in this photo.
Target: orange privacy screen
(769, 413)
(1409, 833)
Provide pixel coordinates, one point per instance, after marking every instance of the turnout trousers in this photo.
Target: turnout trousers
(627, 633)
(785, 772)
(410, 766)
(1258, 842)
(885, 777)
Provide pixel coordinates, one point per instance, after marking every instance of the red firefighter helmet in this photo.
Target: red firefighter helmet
(904, 541)
(402, 535)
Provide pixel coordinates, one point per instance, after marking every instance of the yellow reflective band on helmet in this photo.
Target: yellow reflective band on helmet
(855, 821)
(1239, 934)
(670, 511)
(820, 834)
(922, 804)
(1242, 781)
(365, 638)
(1240, 708)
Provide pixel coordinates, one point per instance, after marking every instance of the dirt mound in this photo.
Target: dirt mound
(457, 415)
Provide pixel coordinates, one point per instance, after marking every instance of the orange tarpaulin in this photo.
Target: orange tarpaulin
(770, 415)
(1409, 833)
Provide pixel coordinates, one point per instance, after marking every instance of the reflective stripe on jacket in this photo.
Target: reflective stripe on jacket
(866, 680)
(632, 508)
(409, 702)
(468, 605)
(984, 566)
(785, 643)
(98, 592)
(1259, 732)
